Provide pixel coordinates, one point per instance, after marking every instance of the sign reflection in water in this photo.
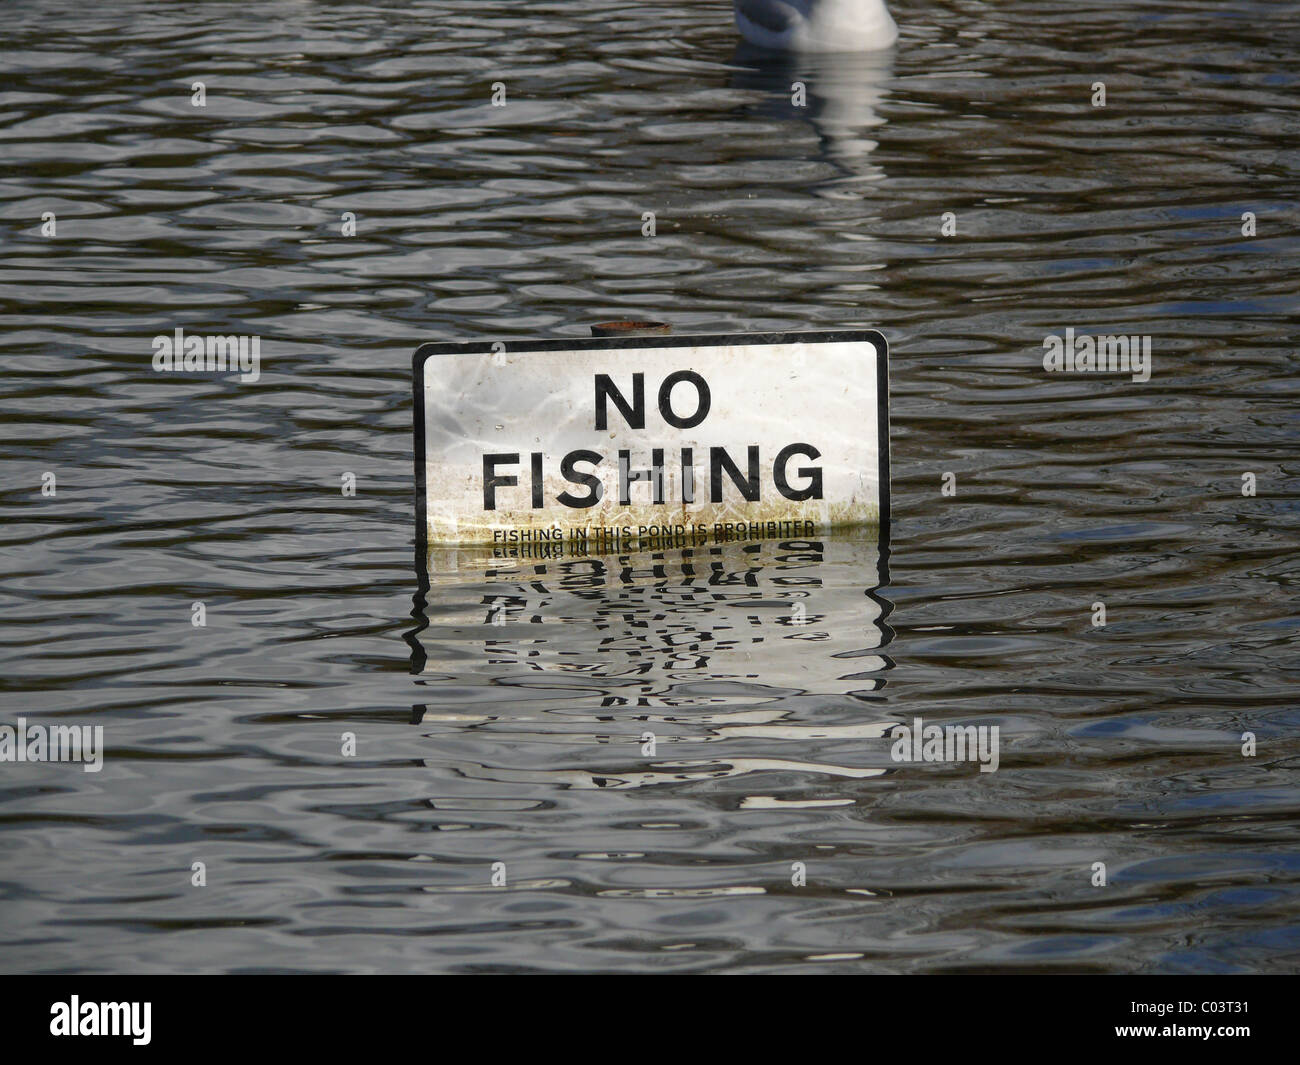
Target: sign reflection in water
(670, 624)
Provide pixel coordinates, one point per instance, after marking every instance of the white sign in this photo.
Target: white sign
(607, 442)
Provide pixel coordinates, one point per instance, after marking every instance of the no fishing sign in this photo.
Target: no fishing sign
(589, 445)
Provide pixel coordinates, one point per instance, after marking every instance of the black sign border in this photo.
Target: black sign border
(670, 340)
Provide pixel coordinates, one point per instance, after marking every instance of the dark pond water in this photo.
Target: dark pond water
(522, 743)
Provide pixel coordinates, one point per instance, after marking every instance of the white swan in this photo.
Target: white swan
(816, 25)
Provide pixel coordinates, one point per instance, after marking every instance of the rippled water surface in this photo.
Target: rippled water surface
(522, 742)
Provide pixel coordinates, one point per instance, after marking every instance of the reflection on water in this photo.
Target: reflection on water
(666, 633)
(781, 614)
(838, 94)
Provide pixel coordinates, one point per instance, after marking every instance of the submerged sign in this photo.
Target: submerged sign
(604, 442)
